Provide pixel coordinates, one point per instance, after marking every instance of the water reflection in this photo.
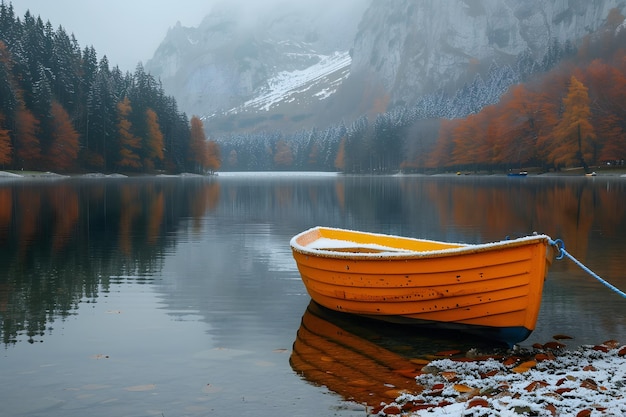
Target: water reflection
(61, 243)
(367, 361)
(170, 277)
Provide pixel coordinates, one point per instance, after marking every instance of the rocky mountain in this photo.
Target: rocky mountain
(290, 66)
(409, 48)
(242, 57)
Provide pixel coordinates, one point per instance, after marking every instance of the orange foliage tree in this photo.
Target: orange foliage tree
(27, 145)
(574, 136)
(283, 157)
(441, 154)
(340, 159)
(607, 92)
(129, 143)
(6, 150)
(214, 161)
(154, 140)
(65, 140)
(198, 151)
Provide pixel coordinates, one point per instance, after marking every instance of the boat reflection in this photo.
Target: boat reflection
(367, 361)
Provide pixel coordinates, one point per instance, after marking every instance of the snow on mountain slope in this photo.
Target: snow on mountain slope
(288, 86)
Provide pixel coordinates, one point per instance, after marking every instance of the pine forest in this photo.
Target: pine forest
(64, 110)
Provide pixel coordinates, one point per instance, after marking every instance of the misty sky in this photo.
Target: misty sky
(126, 31)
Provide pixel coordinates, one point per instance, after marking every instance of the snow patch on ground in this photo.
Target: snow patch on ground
(590, 381)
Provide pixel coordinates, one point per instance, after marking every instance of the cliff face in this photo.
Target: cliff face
(399, 50)
(236, 50)
(415, 47)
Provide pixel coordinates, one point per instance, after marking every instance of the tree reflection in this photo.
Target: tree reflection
(62, 243)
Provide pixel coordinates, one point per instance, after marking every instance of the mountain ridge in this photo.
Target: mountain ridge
(399, 52)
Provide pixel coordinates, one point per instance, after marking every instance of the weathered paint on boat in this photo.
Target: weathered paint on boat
(494, 287)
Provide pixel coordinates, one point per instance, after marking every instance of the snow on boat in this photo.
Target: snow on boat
(494, 289)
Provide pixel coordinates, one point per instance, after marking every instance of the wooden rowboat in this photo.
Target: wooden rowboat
(494, 289)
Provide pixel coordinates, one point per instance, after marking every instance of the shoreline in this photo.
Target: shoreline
(571, 173)
(548, 380)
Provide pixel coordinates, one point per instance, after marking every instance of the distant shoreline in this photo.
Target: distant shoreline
(569, 173)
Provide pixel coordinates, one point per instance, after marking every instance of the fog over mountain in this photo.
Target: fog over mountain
(233, 55)
(290, 65)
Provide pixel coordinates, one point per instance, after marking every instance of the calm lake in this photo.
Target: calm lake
(179, 296)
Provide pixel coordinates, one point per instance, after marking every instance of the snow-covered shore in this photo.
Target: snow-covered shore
(548, 380)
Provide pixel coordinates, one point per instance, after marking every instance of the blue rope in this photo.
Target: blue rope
(562, 253)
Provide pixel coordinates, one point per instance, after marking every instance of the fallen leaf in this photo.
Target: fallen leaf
(449, 376)
(611, 344)
(478, 402)
(589, 384)
(584, 413)
(561, 337)
(535, 385)
(553, 345)
(462, 388)
(512, 360)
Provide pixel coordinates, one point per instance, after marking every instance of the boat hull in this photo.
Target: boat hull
(497, 287)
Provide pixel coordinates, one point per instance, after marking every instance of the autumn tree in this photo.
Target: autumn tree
(340, 162)
(283, 156)
(129, 144)
(214, 160)
(574, 136)
(27, 145)
(197, 147)
(607, 89)
(440, 155)
(154, 140)
(6, 150)
(64, 149)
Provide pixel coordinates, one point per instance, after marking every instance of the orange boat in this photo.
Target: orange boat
(494, 289)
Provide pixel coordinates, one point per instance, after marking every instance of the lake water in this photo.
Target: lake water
(179, 296)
